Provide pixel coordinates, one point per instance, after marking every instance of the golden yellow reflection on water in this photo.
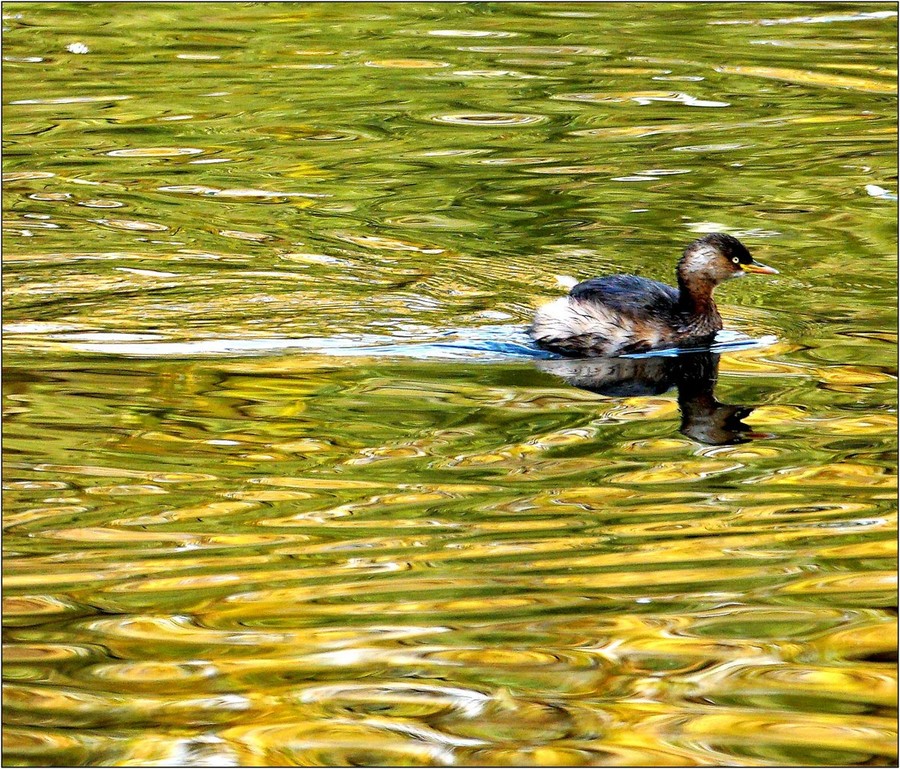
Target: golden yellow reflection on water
(253, 517)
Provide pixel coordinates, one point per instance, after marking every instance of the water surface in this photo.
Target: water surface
(284, 482)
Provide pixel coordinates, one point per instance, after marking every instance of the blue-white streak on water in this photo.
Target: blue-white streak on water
(483, 343)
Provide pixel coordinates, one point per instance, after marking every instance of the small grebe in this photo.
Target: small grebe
(626, 314)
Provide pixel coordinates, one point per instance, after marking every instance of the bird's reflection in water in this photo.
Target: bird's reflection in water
(703, 418)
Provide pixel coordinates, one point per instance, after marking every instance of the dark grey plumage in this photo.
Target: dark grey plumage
(623, 314)
(631, 295)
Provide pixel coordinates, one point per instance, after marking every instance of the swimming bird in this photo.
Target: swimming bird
(621, 314)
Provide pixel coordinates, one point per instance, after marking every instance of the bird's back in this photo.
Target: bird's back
(630, 295)
(609, 316)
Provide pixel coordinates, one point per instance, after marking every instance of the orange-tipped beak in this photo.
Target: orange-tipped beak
(761, 269)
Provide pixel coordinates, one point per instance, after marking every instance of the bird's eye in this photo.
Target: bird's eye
(735, 260)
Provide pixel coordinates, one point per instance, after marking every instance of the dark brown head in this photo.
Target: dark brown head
(715, 258)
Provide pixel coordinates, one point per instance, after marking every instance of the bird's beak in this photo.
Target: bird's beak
(761, 269)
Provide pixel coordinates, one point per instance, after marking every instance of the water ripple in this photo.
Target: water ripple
(287, 482)
(154, 152)
(507, 119)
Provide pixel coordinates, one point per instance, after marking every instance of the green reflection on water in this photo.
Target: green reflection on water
(306, 558)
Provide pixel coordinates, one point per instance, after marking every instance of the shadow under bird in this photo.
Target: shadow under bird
(624, 314)
(703, 418)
